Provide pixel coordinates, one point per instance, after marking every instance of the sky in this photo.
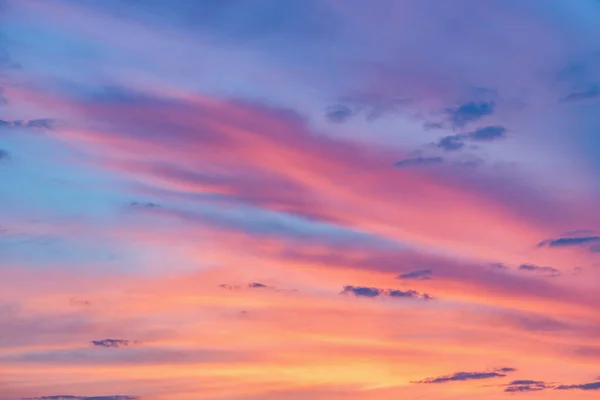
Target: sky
(299, 199)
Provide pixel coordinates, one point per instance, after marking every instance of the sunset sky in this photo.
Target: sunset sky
(299, 199)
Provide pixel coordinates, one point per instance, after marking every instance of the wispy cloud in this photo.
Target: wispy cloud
(113, 343)
(591, 241)
(418, 161)
(364, 291)
(468, 376)
(581, 386)
(526, 385)
(470, 111)
(589, 94)
(458, 141)
(422, 274)
(549, 271)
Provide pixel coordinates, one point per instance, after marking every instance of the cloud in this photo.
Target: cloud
(364, 291)
(4, 155)
(114, 343)
(487, 133)
(339, 113)
(526, 385)
(417, 161)
(40, 123)
(589, 94)
(423, 274)
(484, 134)
(468, 376)
(536, 268)
(71, 397)
(573, 241)
(451, 143)
(148, 204)
(470, 111)
(583, 386)
(251, 285)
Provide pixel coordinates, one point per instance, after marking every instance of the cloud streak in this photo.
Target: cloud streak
(468, 376)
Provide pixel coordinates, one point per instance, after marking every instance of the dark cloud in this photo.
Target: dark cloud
(484, 134)
(339, 113)
(372, 107)
(470, 111)
(423, 274)
(468, 376)
(550, 271)
(451, 143)
(413, 294)
(417, 161)
(4, 155)
(41, 123)
(147, 204)
(573, 241)
(257, 285)
(71, 397)
(526, 385)
(583, 386)
(252, 285)
(432, 125)
(589, 94)
(114, 343)
(498, 266)
(364, 291)
(488, 133)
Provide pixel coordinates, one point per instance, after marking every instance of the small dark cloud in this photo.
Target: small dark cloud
(526, 385)
(573, 241)
(498, 266)
(71, 397)
(114, 343)
(487, 133)
(257, 285)
(432, 125)
(451, 143)
(583, 386)
(147, 204)
(423, 274)
(4, 155)
(372, 107)
(589, 94)
(339, 113)
(252, 285)
(413, 294)
(550, 271)
(418, 161)
(468, 376)
(42, 123)
(484, 134)
(364, 291)
(470, 111)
